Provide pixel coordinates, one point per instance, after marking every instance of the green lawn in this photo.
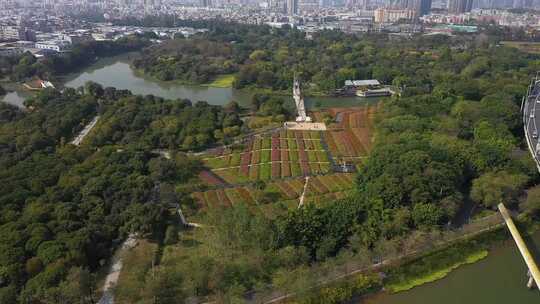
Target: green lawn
(222, 81)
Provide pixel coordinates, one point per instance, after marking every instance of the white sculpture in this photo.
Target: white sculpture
(299, 102)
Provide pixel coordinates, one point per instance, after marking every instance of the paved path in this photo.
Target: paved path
(78, 140)
(114, 271)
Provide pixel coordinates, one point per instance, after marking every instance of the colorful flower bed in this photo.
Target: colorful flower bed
(210, 178)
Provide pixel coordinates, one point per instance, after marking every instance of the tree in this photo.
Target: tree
(532, 203)
(493, 188)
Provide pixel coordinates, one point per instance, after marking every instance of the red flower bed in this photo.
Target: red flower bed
(224, 200)
(275, 155)
(276, 169)
(275, 142)
(305, 168)
(244, 163)
(285, 168)
(210, 178)
(249, 145)
(302, 154)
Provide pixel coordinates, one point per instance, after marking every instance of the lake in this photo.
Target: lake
(500, 278)
(116, 72)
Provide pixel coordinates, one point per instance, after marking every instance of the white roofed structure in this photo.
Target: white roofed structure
(359, 83)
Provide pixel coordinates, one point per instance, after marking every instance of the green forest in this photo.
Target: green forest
(64, 208)
(453, 136)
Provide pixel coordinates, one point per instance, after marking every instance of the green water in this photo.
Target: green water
(116, 72)
(498, 279)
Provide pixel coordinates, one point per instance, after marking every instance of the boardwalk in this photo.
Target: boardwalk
(529, 260)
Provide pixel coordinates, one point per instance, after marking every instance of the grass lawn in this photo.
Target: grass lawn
(222, 81)
(137, 264)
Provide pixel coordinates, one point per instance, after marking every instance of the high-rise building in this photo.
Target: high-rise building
(459, 6)
(292, 7)
(419, 7)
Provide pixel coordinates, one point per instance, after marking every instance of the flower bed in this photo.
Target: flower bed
(265, 171)
(199, 197)
(265, 156)
(285, 168)
(276, 170)
(316, 183)
(276, 155)
(295, 169)
(235, 160)
(257, 143)
(293, 155)
(283, 144)
(209, 178)
(234, 196)
(223, 199)
(291, 143)
(256, 157)
(211, 198)
(266, 143)
(275, 142)
(305, 168)
(254, 172)
(246, 196)
(248, 145)
(244, 163)
(284, 155)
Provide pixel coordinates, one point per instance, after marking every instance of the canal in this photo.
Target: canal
(500, 278)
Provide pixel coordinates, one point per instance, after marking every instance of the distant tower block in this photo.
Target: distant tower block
(299, 102)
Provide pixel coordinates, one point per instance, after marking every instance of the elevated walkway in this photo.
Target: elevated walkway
(534, 272)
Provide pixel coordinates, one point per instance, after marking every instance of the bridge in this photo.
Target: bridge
(534, 272)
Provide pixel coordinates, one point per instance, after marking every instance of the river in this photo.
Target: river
(500, 278)
(116, 72)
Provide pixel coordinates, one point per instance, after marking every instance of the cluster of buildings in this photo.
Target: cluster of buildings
(56, 25)
(42, 34)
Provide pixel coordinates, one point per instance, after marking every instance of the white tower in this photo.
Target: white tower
(299, 102)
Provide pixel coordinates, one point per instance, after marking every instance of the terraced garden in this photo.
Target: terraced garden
(278, 155)
(349, 139)
(319, 188)
(283, 158)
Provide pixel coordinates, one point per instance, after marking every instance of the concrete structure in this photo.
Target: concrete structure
(385, 15)
(57, 46)
(534, 272)
(299, 102)
(459, 6)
